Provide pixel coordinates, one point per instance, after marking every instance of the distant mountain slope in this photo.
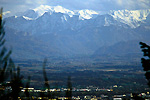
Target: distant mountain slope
(120, 49)
(49, 31)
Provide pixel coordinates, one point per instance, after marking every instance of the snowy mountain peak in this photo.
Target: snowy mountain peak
(42, 9)
(58, 9)
(131, 17)
(63, 10)
(83, 14)
(86, 14)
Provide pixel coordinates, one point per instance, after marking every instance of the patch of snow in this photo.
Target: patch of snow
(106, 22)
(86, 14)
(16, 16)
(64, 18)
(27, 18)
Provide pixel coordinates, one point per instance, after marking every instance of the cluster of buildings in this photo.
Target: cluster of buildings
(86, 96)
(65, 89)
(131, 96)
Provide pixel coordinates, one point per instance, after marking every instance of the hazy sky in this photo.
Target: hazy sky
(99, 5)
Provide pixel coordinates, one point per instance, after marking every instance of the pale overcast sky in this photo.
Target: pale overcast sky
(99, 5)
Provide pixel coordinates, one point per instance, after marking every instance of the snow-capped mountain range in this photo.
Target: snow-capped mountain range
(59, 18)
(75, 32)
(133, 18)
(33, 14)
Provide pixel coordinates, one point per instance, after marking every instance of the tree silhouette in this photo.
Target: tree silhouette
(4, 60)
(27, 86)
(69, 89)
(16, 83)
(4, 53)
(46, 82)
(8, 69)
(146, 61)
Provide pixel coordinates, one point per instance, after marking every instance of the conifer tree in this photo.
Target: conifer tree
(16, 81)
(69, 89)
(46, 82)
(4, 60)
(4, 53)
(146, 61)
(8, 69)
